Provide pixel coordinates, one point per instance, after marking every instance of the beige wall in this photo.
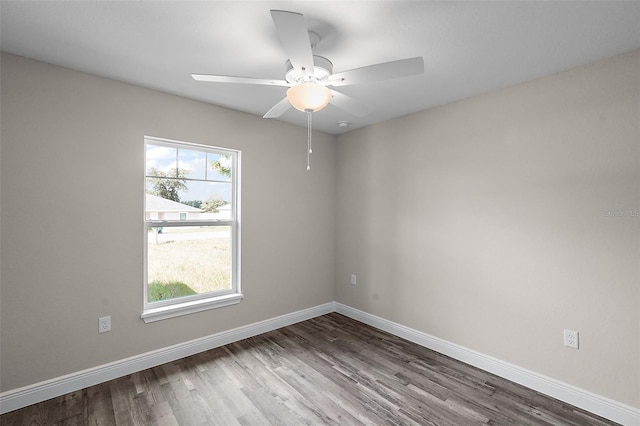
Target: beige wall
(484, 222)
(72, 200)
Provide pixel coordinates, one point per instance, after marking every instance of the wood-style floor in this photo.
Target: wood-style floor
(328, 370)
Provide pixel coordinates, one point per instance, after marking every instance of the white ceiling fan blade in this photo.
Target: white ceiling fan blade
(278, 109)
(384, 71)
(294, 37)
(348, 104)
(239, 80)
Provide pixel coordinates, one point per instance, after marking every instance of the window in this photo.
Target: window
(192, 231)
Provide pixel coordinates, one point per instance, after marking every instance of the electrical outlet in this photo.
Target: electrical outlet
(353, 279)
(571, 339)
(104, 324)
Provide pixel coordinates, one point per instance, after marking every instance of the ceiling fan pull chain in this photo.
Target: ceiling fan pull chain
(309, 151)
(310, 133)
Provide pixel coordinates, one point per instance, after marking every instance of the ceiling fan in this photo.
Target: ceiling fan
(308, 76)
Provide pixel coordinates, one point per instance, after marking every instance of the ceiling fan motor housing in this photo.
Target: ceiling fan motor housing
(322, 68)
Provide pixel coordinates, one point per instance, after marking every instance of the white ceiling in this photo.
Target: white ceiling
(468, 47)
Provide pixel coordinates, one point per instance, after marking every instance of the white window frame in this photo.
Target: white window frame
(164, 309)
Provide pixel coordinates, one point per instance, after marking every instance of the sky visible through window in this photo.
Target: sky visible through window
(208, 182)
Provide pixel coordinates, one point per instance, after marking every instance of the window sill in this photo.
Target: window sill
(164, 312)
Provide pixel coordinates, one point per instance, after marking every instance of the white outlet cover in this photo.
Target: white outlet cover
(571, 339)
(104, 324)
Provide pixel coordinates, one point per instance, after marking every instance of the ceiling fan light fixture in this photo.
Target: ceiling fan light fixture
(309, 96)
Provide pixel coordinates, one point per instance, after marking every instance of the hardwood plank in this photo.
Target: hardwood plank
(99, 410)
(329, 370)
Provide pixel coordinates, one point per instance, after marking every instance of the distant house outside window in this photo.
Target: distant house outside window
(191, 228)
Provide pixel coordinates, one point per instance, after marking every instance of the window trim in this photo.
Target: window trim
(190, 307)
(160, 310)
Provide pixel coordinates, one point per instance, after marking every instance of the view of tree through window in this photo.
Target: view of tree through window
(190, 219)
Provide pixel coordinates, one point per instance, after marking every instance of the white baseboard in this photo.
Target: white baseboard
(607, 408)
(32, 394)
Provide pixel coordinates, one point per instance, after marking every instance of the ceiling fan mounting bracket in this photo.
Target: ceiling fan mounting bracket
(322, 68)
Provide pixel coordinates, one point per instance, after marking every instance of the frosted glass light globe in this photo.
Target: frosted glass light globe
(309, 97)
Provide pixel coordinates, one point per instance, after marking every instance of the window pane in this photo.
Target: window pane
(167, 198)
(189, 260)
(192, 163)
(220, 166)
(161, 161)
(212, 198)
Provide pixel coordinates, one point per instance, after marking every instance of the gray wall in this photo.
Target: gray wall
(72, 210)
(484, 222)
